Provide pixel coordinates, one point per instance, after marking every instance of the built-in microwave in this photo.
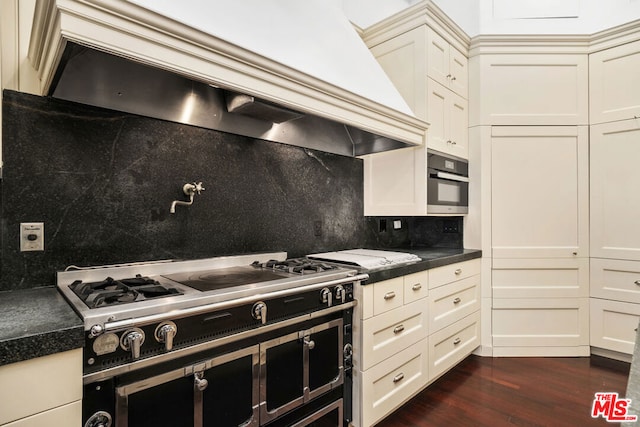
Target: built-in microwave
(447, 184)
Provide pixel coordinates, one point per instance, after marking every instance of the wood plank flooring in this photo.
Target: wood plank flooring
(485, 391)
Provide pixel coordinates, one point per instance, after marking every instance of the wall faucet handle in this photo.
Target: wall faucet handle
(192, 188)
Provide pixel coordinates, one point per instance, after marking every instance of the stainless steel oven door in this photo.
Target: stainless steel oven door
(447, 193)
(223, 390)
(300, 366)
(329, 416)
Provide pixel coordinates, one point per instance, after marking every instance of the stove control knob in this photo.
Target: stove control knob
(132, 340)
(95, 331)
(340, 293)
(99, 419)
(165, 333)
(326, 296)
(259, 311)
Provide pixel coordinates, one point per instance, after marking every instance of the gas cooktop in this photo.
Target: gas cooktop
(113, 293)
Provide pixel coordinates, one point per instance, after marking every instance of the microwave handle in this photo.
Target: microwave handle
(452, 177)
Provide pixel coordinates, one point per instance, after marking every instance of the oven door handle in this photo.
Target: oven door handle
(451, 177)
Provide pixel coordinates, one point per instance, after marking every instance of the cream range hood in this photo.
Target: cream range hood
(218, 66)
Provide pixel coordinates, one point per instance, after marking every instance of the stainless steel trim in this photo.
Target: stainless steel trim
(451, 177)
(447, 209)
(339, 379)
(143, 363)
(177, 314)
(338, 404)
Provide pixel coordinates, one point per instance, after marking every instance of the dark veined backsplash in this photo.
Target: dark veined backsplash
(102, 182)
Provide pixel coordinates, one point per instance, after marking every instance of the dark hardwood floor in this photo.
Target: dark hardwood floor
(485, 391)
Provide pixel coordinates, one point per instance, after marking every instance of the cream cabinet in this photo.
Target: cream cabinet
(538, 89)
(42, 391)
(613, 83)
(390, 351)
(539, 191)
(615, 304)
(448, 119)
(615, 199)
(447, 65)
(454, 315)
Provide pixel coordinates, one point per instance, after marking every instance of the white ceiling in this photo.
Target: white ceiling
(510, 16)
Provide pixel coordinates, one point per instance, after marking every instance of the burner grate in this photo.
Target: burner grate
(112, 292)
(295, 266)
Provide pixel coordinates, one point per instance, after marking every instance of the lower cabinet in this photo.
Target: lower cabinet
(540, 307)
(614, 306)
(410, 330)
(42, 391)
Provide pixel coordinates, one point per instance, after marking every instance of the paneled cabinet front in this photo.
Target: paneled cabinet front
(390, 351)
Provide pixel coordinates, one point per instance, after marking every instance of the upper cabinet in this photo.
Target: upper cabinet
(613, 83)
(446, 65)
(530, 89)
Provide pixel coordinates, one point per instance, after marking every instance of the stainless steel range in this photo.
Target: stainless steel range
(231, 341)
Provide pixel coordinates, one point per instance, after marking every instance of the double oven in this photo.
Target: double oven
(234, 341)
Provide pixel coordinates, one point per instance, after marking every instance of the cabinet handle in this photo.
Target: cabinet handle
(457, 300)
(398, 329)
(417, 286)
(453, 78)
(457, 341)
(637, 282)
(458, 272)
(448, 76)
(398, 377)
(389, 295)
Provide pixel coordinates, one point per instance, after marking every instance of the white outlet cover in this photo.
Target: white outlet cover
(397, 224)
(31, 236)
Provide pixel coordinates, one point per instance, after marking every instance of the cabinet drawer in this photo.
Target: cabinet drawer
(613, 325)
(540, 278)
(387, 295)
(450, 273)
(450, 303)
(615, 279)
(36, 385)
(450, 345)
(62, 416)
(540, 322)
(389, 384)
(386, 334)
(416, 286)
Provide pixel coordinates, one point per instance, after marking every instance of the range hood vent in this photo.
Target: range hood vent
(250, 106)
(122, 56)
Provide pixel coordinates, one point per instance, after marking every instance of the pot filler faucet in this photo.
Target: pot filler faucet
(189, 190)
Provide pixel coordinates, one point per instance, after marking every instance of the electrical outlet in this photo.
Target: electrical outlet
(450, 226)
(397, 224)
(317, 228)
(31, 236)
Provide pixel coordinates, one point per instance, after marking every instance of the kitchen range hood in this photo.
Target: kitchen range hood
(163, 63)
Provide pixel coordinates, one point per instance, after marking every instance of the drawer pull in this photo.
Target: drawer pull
(457, 341)
(389, 295)
(398, 329)
(398, 377)
(637, 282)
(418, 286)
(458, 272)
(457, 300)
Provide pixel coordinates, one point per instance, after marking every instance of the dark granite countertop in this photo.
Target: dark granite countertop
(431, 258)
(37, 322)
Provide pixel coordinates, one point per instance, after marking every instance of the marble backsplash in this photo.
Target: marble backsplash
(102, 182)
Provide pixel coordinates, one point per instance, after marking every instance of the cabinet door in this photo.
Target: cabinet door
(459, 69)
(613, 83)
(395, 182)
(533, 89)
(403, 60)
(615, 279)
(614, 325)
(539, 192)
(448, 117)
(615, 199)
(438, 58)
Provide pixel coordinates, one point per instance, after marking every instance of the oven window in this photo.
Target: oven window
(449, 193)
(168, 404)
(284, 374)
